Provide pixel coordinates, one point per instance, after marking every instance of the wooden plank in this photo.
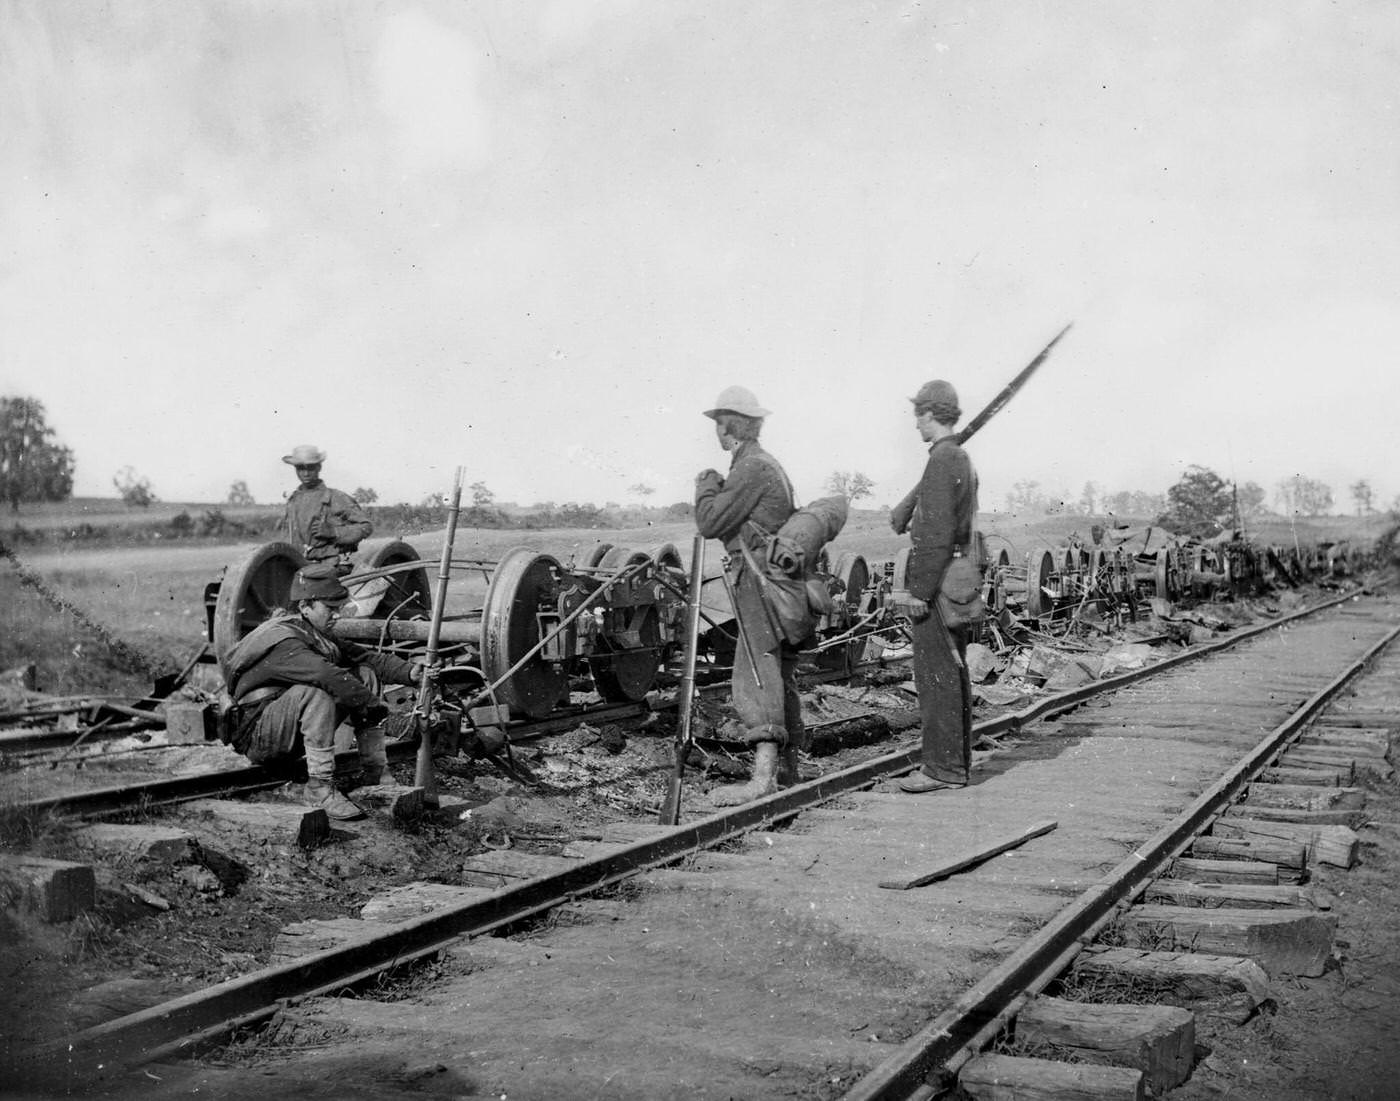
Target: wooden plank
(278, 823)
(1159, 1040)
(1194, 976)
(1361, 741)
(1341, 817)
(159, 843)
(1306, 797)
(1284, 942)
(1224, 871)
(1014, 1078)
(1314, 777)
(1334, 845)
(55, 890)
(1258, 896)
(416, 899)
(1282, 853)
(971, 857)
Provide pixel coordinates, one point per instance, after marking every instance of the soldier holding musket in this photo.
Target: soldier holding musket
(741, 510)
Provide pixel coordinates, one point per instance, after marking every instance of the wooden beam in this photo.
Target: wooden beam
(1284, 942)
(1012, 1078)
(1159, 1040)
(971, 857)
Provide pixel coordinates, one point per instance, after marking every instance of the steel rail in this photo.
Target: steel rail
(177, 1026)
(956, 1034)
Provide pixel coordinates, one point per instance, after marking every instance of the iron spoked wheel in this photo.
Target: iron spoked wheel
(1097, 581)
(1165, 575)
(405, 595)
(667, 557)
(1040, 572)
(853, 572)
(523, 581)
(626, 674)
(252, 588)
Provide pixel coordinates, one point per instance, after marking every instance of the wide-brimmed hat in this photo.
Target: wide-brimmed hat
(305, 454)
(318, 581)
(737, 399)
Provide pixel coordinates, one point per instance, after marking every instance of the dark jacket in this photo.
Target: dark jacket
(944, 514)
(287, 650)
(342, 523)
(757, 490)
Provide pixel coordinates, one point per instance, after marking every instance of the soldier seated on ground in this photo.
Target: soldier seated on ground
(323, 523)
(292, 683)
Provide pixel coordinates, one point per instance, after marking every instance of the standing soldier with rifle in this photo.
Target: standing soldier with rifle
(941, 519)
(740, 510)
(323, 523)
(939, 514)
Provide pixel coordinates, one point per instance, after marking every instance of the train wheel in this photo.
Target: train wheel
(853, 572)
(623, 674)
(1166, 586)
(400, 595)
(522, 582)
(899, 581)
(597, 554)
(253, 587)
(1040, 573)
(667, 557)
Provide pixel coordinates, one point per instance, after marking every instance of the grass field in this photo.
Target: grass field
(151, 596)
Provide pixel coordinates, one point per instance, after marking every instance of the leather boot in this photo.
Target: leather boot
(374, 760)
(764, 780)
(320, 785)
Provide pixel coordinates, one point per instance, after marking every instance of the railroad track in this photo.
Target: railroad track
(770, 960)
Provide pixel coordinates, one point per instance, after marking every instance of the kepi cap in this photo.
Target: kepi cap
(318, 581)
(936, 392)
(737, 399)
(305, 454)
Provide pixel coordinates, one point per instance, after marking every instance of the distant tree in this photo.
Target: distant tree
(238, 494)
(34, 466)
(481, 496)
(681, 510)
(1304, 496)
(1362, 494)
(641, 490)
(850, 484)
(1026, 497)
(1088, 497)
(135, 490)
(432, 500)
(363, 496)
(1201, 503)
(1133, 502)
(1249, 498)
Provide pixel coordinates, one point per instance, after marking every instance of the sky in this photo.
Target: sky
(534, 239)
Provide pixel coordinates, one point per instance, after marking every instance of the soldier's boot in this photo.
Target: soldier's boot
(764, 780)
(374, 759)
(320, 785)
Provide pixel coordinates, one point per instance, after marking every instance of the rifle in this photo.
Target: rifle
(902, 511)
(671, 808)
(1009, 390)
(423, 770)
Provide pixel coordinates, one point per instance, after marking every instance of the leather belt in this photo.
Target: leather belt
(258, 695)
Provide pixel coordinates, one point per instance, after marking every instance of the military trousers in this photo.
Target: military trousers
(945, 698)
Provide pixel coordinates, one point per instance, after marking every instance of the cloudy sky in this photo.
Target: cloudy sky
(535, 239)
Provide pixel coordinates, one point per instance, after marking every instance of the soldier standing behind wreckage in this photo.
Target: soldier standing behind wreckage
(292, 683)
(939, 514)
(752, 502)
(323, 523)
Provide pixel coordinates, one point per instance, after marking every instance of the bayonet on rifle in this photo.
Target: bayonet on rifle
(1009, 390)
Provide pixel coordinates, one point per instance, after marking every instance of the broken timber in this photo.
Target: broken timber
(968, 859)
